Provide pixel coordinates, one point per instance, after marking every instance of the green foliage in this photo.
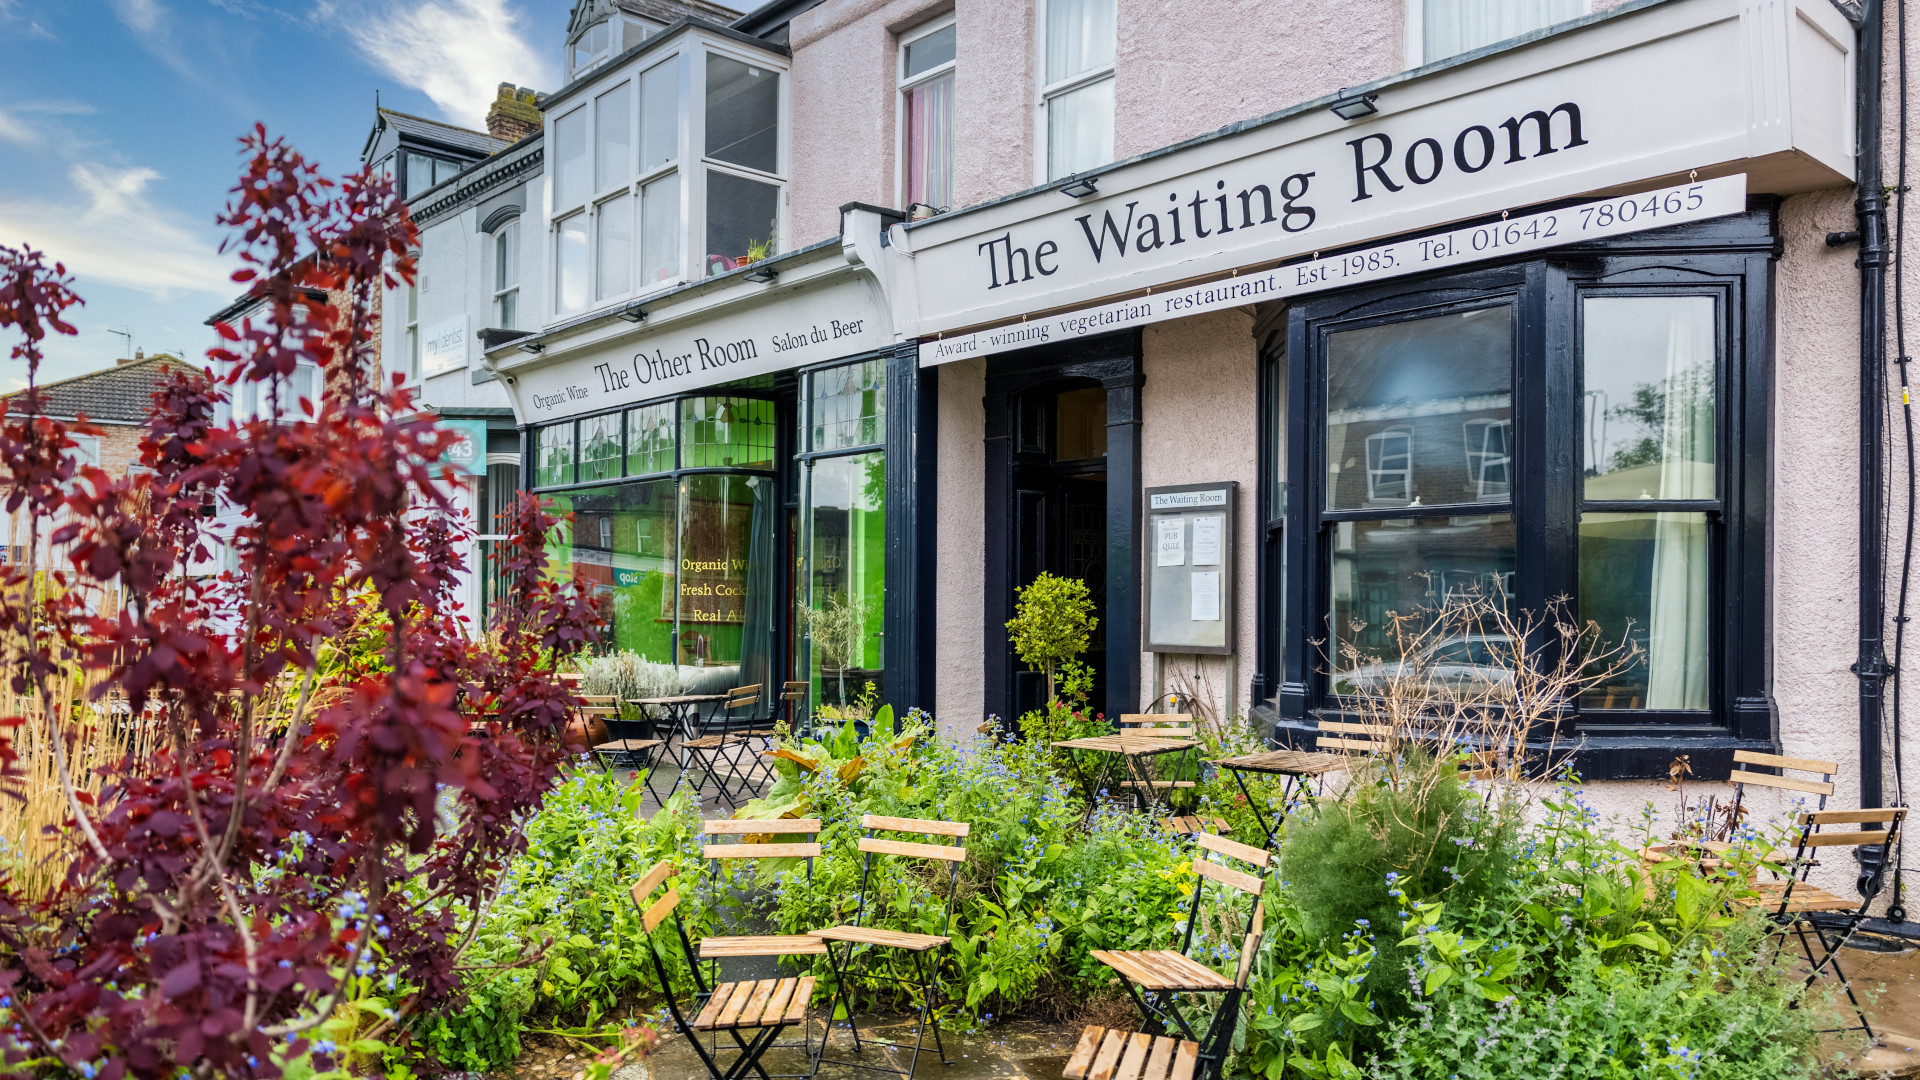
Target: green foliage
(1359, 858)
(628, 675)
(1053, 622)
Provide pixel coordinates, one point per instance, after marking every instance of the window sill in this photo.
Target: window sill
(1641, 752)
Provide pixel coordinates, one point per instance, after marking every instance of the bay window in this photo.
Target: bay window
(621, 201)
(1583, 434)
(1076, 95)
(926, 106)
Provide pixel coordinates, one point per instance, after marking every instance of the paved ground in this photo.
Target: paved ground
(1011, 1052)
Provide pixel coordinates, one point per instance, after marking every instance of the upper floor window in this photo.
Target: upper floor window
(926, 106)
(627, 177)
(424, 171)
(1076, 96)
(592, 46)
(413, 329)
(1438, 29)
(85, 450)
(506, 276)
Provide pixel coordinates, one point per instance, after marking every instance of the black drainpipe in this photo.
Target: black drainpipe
(1870, 211)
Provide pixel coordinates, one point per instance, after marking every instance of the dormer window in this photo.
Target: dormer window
(664, 170)
(591, 47)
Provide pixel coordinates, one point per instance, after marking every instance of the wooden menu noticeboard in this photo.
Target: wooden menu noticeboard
(1190, 558)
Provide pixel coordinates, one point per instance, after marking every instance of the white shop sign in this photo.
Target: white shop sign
(1513, 236)
(443, 346)
(806, 328)
(1639, 97)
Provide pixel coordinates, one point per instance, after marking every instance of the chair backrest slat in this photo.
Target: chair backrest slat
(1776, 761)
(661, 908)
(913, 851)
(761, 851)
(1853, 817)
(1246, 883)
(643, 888)
(927, 826)
(1157, 725)
(1252, 944)
(1348, 744)
(1790, 783)
(742, 696)
(1847, 839)
(741, 827)
(1244, 852)
(1341, 727)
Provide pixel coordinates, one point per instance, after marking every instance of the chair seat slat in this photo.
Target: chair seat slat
(761, 851)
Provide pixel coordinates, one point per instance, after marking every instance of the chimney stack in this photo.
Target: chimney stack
(138, 355)
(514, 114)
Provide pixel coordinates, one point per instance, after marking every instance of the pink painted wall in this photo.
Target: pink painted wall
(1199, 424)
(1184, 68)
(959, 633)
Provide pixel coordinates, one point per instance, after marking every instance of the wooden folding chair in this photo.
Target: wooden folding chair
(745, 723)
(1156, 977)
(1795, 902)
(1113, 1054)
(721, 734)
(1740, 778)
(1378, 739)
(924, 949)
(1143, 777)
(753, 1014)
(1297, 768)
(793, 699)
(712, 950)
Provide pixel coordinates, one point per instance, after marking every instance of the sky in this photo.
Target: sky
(119, 122)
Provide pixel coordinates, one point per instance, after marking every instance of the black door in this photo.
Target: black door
(1059, 525)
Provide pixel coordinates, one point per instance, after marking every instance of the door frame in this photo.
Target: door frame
(1112, 360)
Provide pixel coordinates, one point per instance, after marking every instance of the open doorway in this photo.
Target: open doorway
(1059, 479)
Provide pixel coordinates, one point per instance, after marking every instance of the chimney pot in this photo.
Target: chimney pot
(513, 115)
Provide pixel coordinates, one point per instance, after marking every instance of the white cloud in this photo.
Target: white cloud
(16, 125)
(114, 233)
(457, 52)
(11, 17)
(139, 15)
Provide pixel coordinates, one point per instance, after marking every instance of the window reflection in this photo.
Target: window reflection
(1643, 580)
(743, 113)
(846, 586)
(1650, 392)
(1413, 568)
(726, 574)
(1418, 411)
(848, 406)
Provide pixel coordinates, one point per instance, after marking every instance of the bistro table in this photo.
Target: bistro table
(671, 716)
(1298, 767)
(1133, 756)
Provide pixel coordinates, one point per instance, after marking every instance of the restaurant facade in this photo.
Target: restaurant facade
(1266, 329)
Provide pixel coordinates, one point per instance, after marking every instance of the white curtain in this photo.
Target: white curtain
(1678, 615)
(1451, 27)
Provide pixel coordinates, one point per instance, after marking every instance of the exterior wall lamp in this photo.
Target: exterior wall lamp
(1079, 186)
(633, 313)
(761, 274)
(532, 347)
(1353, 107)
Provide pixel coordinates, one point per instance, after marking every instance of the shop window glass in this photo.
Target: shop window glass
(612, 138)
(727, 574)
(742, 221)
(554, 451)
(722, 432)
(1412, 568)
(1420, 379)
(1451, 27)
(600, 448)
(621, 546)
(848, 406)
(650, 440)
(845, 597)
(743, 113)
(1650, 394)
(1643, 580)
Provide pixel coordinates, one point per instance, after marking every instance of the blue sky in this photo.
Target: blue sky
(118, 121)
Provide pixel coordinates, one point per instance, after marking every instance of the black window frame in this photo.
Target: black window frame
(1731, 258)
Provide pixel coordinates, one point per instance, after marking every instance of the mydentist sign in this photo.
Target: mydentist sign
(1657, 91)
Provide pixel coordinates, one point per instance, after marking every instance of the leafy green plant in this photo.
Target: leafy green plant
(1053, 623)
